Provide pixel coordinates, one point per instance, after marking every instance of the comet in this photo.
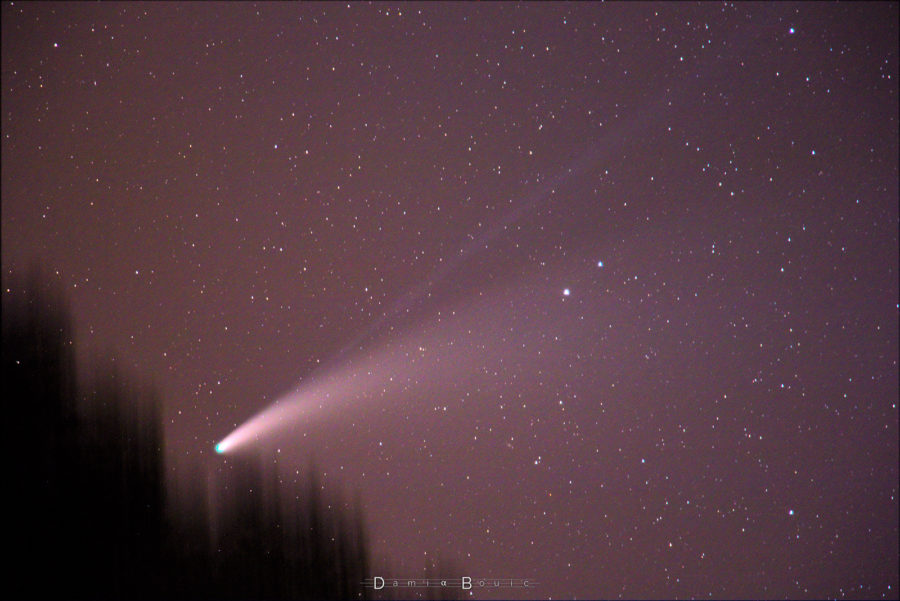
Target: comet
(433, 350)
(459, 340)
(286, 411)
(494, 334)
(350, 386)
(482, 332)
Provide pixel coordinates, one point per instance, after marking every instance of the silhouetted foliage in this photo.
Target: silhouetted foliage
(86, 510)
(85, 464)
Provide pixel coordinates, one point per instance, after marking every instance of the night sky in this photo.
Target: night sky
(605, 296)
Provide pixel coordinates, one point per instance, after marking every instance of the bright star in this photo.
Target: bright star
(566, 292)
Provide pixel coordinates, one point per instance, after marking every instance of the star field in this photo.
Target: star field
(600, 295)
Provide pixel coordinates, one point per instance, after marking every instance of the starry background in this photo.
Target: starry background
(630, 269)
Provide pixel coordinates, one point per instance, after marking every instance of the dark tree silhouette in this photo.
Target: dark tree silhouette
(86, 512)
